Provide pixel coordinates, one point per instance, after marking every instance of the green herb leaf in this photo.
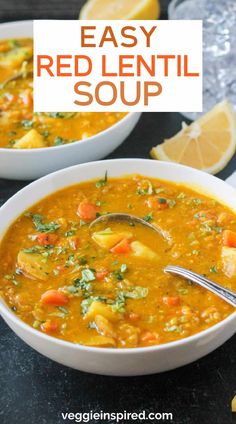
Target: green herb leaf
(181, 195)
(148, 217)
(88, 275)
(26, 123)
(49, 227)
(213, 269)
(162, 200)
(58, 141)
(63, 310)
(69, 233)
(102, 182)
(143, 191)
(137, 292)
(123, 268)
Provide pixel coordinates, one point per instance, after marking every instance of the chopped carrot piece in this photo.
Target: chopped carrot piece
(122, 247)
(46, 239)
(171, 300)
(156, 202)
(100, 275)
(49, 326)
(54, 297)
(229, 238)
(87, 210)
(149, 336)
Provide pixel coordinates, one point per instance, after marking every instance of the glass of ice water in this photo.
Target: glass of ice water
(219, 47)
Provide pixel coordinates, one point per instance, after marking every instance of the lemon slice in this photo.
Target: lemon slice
(207, 144)
(120, 9)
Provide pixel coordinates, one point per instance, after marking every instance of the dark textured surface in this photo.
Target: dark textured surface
(35, 390)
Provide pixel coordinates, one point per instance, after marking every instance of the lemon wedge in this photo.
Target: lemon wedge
(207, 144)
(120, 9)
(234, 404)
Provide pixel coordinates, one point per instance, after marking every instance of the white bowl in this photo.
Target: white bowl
(120, 362)
(28, 164)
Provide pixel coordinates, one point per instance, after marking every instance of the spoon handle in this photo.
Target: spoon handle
(226, 294)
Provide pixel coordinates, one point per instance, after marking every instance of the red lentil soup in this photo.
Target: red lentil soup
(105, 286)
(20, 128)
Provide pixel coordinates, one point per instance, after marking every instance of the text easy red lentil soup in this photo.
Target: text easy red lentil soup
(105, 286)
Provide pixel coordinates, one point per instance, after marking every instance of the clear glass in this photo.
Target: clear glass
(219, 47)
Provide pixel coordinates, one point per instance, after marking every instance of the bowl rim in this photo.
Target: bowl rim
(5, 311)
(63, 146)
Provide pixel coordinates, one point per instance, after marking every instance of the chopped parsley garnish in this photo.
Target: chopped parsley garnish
(171, 203)
(102, 182)
(70, 233)
(63, 310)
(42, 227)
(123, 268)
(162, 200)
(137, 292)
(84, 283)
(45, 134)
(58, 141)
(159, 190)
(12, 279)
(70, 261)
(26, 123)
(181, 195)
(213, 269)
(218, 229)
(88, 275)
(148, 217)
(33, 249)
(118, 275)
(82, 260)
(197, 201)
(143, 191)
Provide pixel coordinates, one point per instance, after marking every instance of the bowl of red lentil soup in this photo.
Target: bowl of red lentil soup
(35, 144)
(96, 298)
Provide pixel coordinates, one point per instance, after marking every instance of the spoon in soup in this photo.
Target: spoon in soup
(125, 217)
(226, 294)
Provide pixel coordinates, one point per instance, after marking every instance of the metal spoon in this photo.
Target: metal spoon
(215, 288)
(226, 294)
(131, 219)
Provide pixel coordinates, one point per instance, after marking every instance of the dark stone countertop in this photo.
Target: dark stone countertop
(35, 390)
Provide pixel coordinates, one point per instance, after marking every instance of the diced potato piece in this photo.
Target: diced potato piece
(104, 327)
(31, 140)
(14, 58)
(101, 341)
(33, 266)
(107, 239)
(228, 255)
(234, 404)
(142, 251)
(99, 308)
